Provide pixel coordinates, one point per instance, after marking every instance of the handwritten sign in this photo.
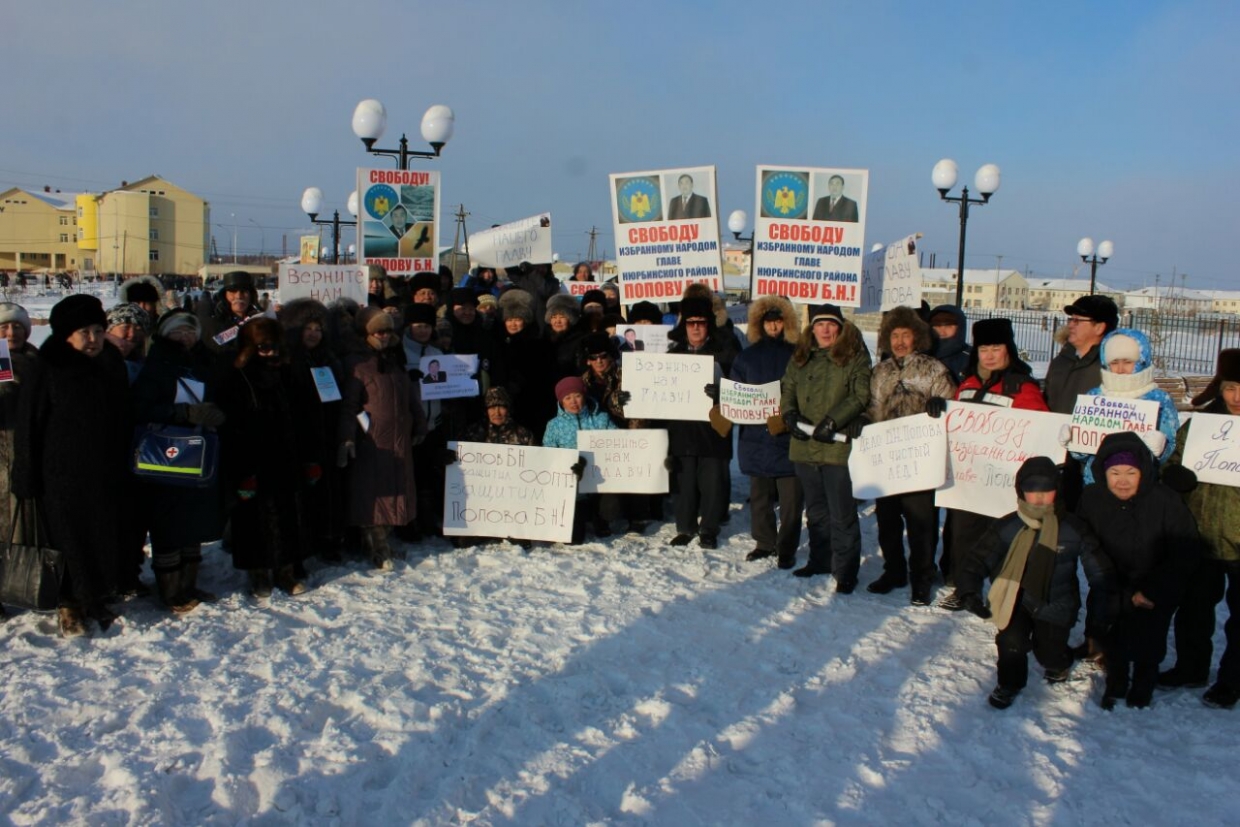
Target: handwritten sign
(667, 385)
(899, 456)
(322, 282)
(748, 404)
(652, 338)
(516, 491)
(985, 448)
(1093, 417)
(449, 376)
(891, 277)
(396, 227)
(667, 233)
(510, 244)
(624, 462)
(1212, 449)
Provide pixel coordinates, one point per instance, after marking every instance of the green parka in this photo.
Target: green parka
(832, 382)
(1215, 507)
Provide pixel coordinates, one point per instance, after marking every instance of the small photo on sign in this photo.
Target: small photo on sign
(686, 197)
(836, 198)
(448, 376)
(639, 338)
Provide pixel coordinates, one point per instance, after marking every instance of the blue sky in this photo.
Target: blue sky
(1113, 120)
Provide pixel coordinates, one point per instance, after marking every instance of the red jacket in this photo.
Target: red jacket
(1027, 396)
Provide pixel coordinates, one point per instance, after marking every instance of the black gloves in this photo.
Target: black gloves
(712, 390)
(449, 456)
(623, 398)
(853, 429)
(973, 603)
(1179, 479)
(825, 430)
(579, 467)
(793, 419)
(935, 406)
(671, 463)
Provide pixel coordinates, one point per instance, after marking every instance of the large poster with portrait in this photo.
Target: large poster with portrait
(809, 235)
(667, 233)
(396, 227)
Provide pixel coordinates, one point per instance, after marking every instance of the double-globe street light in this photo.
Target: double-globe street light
(370, 119)
(312, 204)
(987, 184)
(1085, 249)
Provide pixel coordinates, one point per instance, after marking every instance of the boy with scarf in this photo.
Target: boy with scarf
(1031, 557)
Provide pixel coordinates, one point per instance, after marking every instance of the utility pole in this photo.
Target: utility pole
(593, 236)
(456, 238)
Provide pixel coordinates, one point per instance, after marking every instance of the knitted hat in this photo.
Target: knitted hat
(1095, 307)
(177, 320)
(645, 312)
(420, 314)
(1119, 346)
(1037, 474)
(76, 312)
(567, 385)
(372, 320)
(497, 398)
(1228, 370)
(487, 300)
(1121, 458)
(830, 312)
(10, 312)
(129, 314)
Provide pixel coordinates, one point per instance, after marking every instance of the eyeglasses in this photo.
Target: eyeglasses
(695, 323)
(1080, 320)
(595, 357)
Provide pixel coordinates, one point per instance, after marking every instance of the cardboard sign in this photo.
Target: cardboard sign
(986, 447)
(667, 385)
(580, 288)
(1093, 417)
(322, 282)
(516, 491)
(644, 338)
(809, 234)
(624, 462)
(6, 362)
(667, 233)
(891, 277)
(1212, 449)
(325, 384)
(748, 404)
(899, 456)
(396, 227)
(448, 376)
(510, 244)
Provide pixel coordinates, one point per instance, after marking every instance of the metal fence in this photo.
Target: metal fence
(1182, 345)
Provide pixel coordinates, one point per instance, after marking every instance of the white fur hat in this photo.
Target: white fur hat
(10, 312)
(1119, 346)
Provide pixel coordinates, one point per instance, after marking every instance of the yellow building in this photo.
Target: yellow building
(990, 289)
(150, 226)
(38, 231)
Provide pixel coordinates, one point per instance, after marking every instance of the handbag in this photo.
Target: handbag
(30, 573)
(175, 454)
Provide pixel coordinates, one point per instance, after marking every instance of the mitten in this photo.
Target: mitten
(579, 467)
(345, 453)
(935, 406)
(712, 390)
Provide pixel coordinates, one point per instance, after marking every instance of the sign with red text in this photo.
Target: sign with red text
(510, 244)
(667, 385)
(396, 228)
(1212, 449)
(891, 277)
(6, 362)
(986, 446)
(322, 282)
(809, 234)
(748, 404)
(1093, 417)
(667, 233)
(579, 288)
(898, 456)
(516, 491)
(624, 461)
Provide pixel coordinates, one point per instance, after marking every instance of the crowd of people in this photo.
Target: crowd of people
(327, 449)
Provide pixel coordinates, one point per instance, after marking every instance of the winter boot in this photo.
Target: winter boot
(759, 554)
(287, 580)
(787, 561)
(260, 583)
(171, 593)
(380, 550)
(189, 583)
(71, 622)
(1221, 696)
(1001, 697)
(886, 583)
(1177, 677)
(1116, 685)
(1144, 679)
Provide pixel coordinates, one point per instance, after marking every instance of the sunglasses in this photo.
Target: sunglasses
(695, 323)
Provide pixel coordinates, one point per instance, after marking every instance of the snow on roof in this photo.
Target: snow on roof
(59, 200)
(971, 276)
(1068, 285)
(1167, 292)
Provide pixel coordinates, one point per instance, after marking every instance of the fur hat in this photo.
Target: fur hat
(497, 398)
(76, 312)
(260, 331)
(517, 303)
(598, 343)
(141, 289)
(1120, 346)
(176, 320)
(1036, 474)
(418, 313)
(129, 314)
(372, 320)
(1096, 307)
(564, 304)
(10, 312)
(697, 308)
(425, 280)
(830, 312)
(300, 312)
(610, 288)
(567, 385)
(645, 312)
(994, 332)
(765, 306)
(593, 297)
(905, 318)
(461, 295)
(1228, 370)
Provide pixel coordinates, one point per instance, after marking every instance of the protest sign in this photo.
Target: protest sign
(325, 384)
(510, 244)
(323, 282)
(6, 362)
(898, 456)
(891, 277)
(624, 461)
(1212, 449)
(448, 376)
(516, 491)
(579, 288)
(748, 404)
(667, 233)
(809, 234)
(986, 446)
(1093, 417)
(650, 338)
(667, 385)
(309, 249)
(396, 228)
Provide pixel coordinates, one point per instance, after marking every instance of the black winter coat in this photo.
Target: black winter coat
(763, 455)
(699, 439)
(1069, 376)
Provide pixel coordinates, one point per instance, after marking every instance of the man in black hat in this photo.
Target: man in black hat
(1078, 367)
(233, 305)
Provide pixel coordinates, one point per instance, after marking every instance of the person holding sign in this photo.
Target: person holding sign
(419, 341)
(578, 412)
(826, 387)
(902, 386)
(763, 455)
(1031, 557)
(1216, 508)
(15, 330)
(1151, 540)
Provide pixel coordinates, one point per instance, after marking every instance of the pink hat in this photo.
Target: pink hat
(569, 384)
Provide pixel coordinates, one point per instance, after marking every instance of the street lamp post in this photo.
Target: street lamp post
(987, 184)
(737, 221)
(1085, 249)
(234, 219)
(262, 249)
(312, 204)
(370, 119)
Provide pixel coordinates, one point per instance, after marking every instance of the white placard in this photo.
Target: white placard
(624, 461)
(899, 456)
(6, 363)
(518, 491)
(449, 376)
(809, 234)
(396, 227)
(648, 338)
(580, 288)
(325, 384)
(748, 404)
(1212, 449)
(322, 282)
(667, 385)
(986, 446)
(891, 277)
(667, 233)
(1093, 417)
(510, 244)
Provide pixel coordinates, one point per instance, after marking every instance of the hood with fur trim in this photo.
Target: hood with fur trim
(764, 304)
(848, 344)
(150, 281)
(909, 319)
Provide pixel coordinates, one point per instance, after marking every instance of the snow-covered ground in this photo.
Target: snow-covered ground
(618, 682)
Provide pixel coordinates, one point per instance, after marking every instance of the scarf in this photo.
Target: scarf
(1128, 385)
(1029, 562)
